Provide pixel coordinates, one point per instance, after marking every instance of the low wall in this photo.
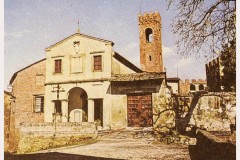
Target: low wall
(212, 147)
(34, 137)
(212, 111)
(215, 111)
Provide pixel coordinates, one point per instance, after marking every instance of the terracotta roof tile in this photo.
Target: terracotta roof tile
(138, 76)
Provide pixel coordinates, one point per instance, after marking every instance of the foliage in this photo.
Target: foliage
(203, 26)
(228, 61)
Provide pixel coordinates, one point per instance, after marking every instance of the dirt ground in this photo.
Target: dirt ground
(127, 149)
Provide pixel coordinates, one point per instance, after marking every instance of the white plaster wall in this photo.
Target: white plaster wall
(119, 111)
(174, 87)
(65, 51)
(94, 90)
(119, 68)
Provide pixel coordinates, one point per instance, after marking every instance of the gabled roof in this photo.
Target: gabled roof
(126, 62)
(15, 74)
(9, 93)
(78, 34)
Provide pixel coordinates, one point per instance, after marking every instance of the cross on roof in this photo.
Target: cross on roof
(78, 30)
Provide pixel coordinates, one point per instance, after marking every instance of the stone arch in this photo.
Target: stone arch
(77, 105)
(149, 35)
(192, 87)
(201, 87)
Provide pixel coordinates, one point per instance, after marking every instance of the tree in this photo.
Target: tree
(203, 26)
(228, 61)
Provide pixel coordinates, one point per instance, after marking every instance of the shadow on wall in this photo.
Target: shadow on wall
(214, 111)
(49, 156)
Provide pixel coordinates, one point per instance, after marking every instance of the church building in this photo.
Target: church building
(82, 79)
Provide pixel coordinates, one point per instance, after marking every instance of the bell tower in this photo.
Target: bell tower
(150, 42)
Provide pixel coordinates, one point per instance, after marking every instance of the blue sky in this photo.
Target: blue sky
(30, 26)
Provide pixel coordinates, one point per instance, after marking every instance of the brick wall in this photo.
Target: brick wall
(153, 49)
(24, 89)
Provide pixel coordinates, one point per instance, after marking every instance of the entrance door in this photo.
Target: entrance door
(98, 111)
(140, 110)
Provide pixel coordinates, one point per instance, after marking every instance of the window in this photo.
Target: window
(39, 80)
(192, 87)
(201, 87)
(58, 106)
(150, 58)
(58, 66)
(149, 35)
(97, 63)
(38, 104)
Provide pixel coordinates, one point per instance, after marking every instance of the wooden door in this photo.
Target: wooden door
(140, 110)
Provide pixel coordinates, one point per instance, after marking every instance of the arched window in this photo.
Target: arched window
(150, 58)
(149, 35)
(192, 87)
(201, 87)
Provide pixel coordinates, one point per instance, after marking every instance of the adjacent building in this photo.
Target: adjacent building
(9, 99)
(214, 74)
(177, 86)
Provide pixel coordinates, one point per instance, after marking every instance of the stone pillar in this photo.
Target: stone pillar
(65, 111)
(90, 110)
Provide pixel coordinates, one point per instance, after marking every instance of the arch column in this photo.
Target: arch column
(90, 110)
(65, 111)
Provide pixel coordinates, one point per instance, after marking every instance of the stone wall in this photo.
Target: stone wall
(163, 111)
(40, 136)
(213, 111)
(7, 119)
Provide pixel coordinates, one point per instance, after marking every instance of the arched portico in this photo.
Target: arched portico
(77, 105)
(81, 108)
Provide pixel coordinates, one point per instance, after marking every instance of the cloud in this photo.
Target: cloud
(131, 52)
(185, 62)
(17, 34)
(168, 51)
(133, 46)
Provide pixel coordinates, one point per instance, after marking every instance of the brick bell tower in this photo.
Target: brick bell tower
(150, 42)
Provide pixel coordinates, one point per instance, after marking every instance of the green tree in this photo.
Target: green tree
(228, 61)
(203, 26)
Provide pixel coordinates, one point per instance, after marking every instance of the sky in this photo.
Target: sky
(30, 26)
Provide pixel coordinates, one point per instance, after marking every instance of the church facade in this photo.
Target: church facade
(82, 79)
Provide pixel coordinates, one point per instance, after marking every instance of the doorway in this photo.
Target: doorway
(139, 108)
(98, 111)
(77, 105)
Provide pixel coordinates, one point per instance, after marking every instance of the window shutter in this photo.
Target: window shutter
(58, 66)
(97, 63)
